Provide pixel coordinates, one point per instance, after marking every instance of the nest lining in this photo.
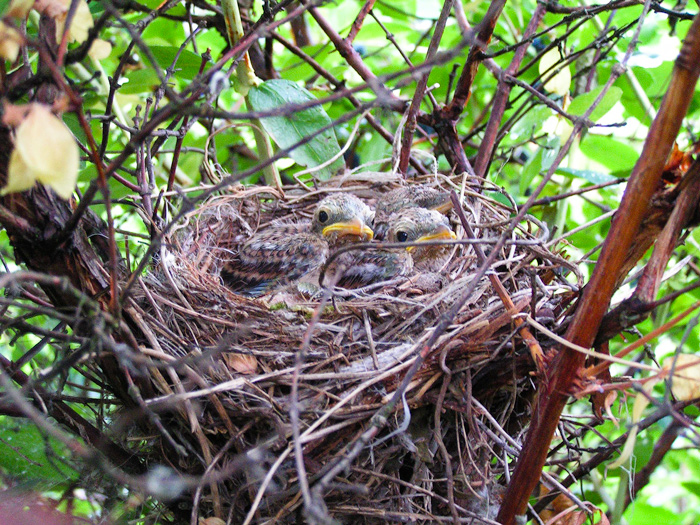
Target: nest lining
(236, 358)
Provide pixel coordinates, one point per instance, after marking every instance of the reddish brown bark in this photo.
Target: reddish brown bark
(643, 182)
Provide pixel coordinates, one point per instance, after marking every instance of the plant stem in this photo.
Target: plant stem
(247, 79)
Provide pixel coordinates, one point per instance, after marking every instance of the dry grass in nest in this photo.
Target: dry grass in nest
(233, 363)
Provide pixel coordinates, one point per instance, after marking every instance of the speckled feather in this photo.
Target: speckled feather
(284, 253)
(414, 196)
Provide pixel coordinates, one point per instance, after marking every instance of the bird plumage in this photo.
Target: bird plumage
(412, 226)
(413, 196)
(284, 253)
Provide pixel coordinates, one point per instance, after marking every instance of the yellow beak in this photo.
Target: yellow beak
(354, 227)
(442, 233)
(444, 208)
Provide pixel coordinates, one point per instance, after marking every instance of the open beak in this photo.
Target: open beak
(355, 227)
(442, 233)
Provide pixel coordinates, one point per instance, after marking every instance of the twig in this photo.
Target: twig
(422, 84)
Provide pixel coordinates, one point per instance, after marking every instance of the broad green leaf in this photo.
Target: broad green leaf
(616, 156)
(140, 81)
(160, 32)
(539, 162)
(692, 487)
(373, 149)
(580, 104)
(187, 65)
(528, 126)
(531, 169)
(630, 100)
(24, 454)
(289, 129)
(644, 514)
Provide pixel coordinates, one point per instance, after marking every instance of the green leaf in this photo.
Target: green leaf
(374, 148)
(140, 81)
(531, 169)
(616, 156)
(527, 126)
(645, 514)
(691, 486)
(580, 104)
(187, 65)
(24, 456)
(289, 129)
(595, 177)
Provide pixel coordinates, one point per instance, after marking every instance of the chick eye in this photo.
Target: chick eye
(322, 216)
(401, 236)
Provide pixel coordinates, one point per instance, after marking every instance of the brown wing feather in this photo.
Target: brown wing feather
(274, 257)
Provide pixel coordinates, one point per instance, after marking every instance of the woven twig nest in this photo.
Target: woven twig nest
(232, 363)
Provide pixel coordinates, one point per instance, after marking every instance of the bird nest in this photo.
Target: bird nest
(260, 392)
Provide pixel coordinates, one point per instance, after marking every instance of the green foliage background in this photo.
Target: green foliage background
(170, 45)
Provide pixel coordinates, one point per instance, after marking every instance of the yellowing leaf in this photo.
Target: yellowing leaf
(685, 383)
(10, 40)
(211, 521)
(559, 126)
(45, 151)
(561, 81)
(19, 176)
(19, 8)
(80, 25)
(58, 10)
(100, 49)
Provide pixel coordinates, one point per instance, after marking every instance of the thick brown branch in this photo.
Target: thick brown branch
(638, 307)
(596, 296)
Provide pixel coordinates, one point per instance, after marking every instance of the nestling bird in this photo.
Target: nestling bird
(412, 225)
(414, 196)
(283, 253)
